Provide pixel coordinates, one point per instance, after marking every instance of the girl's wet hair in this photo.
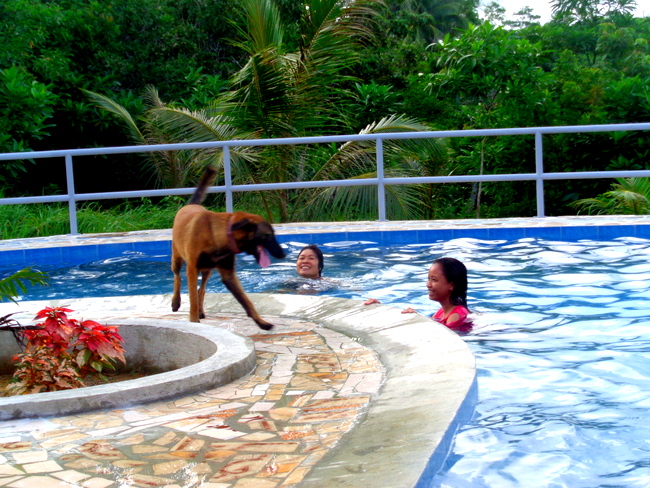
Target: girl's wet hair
(455, 272)
(319, 255)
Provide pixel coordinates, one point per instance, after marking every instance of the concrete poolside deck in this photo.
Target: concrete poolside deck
(342, 395)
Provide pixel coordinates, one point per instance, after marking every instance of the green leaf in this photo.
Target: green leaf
(12, 286)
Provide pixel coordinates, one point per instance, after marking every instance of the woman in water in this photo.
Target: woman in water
(310, 262)
(447, 285)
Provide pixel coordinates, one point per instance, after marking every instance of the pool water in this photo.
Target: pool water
(561, 339)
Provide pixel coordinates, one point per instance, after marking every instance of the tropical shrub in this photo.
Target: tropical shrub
(60, 352)
(628, 196)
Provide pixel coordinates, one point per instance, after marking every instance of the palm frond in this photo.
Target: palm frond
(196, 126)
(261, 28)
(361, 155)
(262, 95)
(629, 196)
(403, 202)
(12, 286)
(122, 113)
(152, 97)
(199, 126)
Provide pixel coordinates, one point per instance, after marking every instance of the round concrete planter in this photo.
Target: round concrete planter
(184, 358)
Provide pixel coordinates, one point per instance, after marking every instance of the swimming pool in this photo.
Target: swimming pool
(560, 337)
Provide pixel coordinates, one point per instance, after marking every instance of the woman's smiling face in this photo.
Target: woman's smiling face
(307, 264)
(439, 288)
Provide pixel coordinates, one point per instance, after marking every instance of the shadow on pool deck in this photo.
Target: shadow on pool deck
(343, 395)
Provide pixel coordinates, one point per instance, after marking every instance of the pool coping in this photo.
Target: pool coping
(77, 249)
(389, 447)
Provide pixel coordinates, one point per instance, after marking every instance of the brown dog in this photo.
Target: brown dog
(205, 240)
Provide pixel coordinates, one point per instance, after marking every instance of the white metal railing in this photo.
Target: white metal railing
(380, 181)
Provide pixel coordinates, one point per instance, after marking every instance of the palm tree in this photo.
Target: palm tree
(172, 169)
(629, 196)
(590, 10)
(432, 19)
(282, 93)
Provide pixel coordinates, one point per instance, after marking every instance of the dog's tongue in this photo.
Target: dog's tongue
(262, 257)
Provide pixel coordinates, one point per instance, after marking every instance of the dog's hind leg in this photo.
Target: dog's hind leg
(229, 278)
(177, 263)
(205, 276)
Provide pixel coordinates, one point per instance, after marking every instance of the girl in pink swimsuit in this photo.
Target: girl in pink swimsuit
(447, 285)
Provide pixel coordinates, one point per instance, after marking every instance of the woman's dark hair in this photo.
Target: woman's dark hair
(319, 255)
(455, 272)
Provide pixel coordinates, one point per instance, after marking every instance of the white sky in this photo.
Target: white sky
(543, 8)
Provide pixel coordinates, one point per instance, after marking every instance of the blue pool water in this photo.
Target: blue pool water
(561, 338)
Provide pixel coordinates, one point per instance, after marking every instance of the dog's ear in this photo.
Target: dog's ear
(244, 224)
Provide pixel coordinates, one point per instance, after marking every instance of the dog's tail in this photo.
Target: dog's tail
(202, 188)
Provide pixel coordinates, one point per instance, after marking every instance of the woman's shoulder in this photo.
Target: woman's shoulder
(460, 310)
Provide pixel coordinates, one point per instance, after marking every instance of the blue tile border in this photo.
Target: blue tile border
(438, 460)
(13, 257)
(612, 232)
(68, 255)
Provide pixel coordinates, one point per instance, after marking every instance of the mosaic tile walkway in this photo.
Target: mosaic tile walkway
(266, 430)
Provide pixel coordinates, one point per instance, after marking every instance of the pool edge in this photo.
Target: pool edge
(69, 250)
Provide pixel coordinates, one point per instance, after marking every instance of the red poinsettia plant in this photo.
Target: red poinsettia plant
(60, 352)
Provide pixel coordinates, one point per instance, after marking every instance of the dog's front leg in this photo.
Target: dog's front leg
(229, 278)
(193, 290)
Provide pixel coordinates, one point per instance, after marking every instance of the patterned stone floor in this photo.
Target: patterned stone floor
(266, 430)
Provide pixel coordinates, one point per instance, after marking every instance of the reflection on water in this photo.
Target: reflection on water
(561, 339)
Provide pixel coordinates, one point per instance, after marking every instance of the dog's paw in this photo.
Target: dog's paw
(265, 325)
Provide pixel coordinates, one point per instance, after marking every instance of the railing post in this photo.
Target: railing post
(381, 190)
(227, 176)
(539, 171)
(72, 202)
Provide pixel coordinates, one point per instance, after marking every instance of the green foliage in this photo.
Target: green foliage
(116, 47)
(12, 286)
(590, 10)
(287, 94)
(495, 80)
(39, 220)
(60, 352)
(486, 65)
(26, 107)
(427, 21)
(319, 67)
(628, 196)
(372, 102)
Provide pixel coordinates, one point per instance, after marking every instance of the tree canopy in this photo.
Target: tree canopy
(219, 69)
